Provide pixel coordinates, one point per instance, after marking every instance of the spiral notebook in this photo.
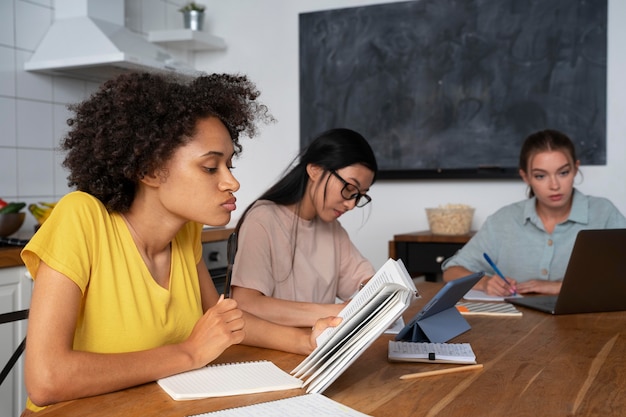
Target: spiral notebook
(228, 379)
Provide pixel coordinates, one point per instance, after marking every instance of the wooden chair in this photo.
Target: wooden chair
(10, 318)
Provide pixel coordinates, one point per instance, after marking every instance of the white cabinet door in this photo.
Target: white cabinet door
(15, 292)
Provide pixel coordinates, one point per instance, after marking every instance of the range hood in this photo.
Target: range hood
(88, 40)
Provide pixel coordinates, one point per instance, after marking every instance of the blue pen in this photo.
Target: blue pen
(495, 268)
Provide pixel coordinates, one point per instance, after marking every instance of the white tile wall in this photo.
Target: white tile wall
(7, 71)
(35, 169)
(33, 107)
(60, 114)
(7, 24)
(34, 124)
(7, 122)
(32, 22)
(8, 172)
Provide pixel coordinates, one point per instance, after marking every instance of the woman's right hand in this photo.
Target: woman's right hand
(494, 285)
(220, 327)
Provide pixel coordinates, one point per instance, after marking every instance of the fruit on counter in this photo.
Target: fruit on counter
(41, 211)
(2, 203)
(13, 207)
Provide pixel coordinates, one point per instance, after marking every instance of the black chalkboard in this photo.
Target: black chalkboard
(442, 88)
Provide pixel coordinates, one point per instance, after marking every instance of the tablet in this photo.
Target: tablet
(442, 302)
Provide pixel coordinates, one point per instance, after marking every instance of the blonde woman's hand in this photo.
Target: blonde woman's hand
(540, 286)
(494, 285)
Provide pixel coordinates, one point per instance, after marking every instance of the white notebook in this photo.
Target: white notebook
(228, 379)
(477, 295)
(430, 352)
(309, 405)
(471, 308)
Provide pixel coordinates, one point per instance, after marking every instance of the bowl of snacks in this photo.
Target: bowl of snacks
(450, 219)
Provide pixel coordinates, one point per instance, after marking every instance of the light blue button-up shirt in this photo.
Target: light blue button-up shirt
(515, 239)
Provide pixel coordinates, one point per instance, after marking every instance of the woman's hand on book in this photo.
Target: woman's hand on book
(321, 325)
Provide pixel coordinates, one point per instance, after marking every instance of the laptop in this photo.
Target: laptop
(595, 278)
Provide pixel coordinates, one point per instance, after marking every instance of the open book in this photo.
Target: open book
(373, 309)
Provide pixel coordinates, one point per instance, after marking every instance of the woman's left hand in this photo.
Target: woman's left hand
(539, 286)
(320, 326)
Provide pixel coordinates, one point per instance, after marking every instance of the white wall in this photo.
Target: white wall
(262, 38)
(33, 106)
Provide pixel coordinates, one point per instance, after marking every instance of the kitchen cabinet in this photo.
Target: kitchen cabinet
(423, 252)
(15, 293)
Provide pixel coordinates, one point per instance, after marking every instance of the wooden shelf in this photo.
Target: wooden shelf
(193, 40)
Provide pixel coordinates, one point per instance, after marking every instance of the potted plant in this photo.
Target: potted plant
(193, 15)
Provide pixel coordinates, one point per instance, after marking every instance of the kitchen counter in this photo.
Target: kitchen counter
(215, 234)
(10, 255)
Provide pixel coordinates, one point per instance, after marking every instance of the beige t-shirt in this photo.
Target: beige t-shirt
(325, 265)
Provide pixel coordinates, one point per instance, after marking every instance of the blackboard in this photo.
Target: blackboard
(450, 89)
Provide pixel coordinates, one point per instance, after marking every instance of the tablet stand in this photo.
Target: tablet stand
(438, 328)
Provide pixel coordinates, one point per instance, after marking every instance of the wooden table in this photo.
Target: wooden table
(534, 365)
(423, 252)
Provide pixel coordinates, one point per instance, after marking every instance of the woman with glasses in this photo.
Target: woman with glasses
(294, 258)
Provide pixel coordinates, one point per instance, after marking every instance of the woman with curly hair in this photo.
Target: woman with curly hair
(122, 295)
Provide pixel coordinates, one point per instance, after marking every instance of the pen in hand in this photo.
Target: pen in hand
(231, 250)
(497, 270)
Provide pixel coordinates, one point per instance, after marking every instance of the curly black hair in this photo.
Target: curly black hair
(133, 124)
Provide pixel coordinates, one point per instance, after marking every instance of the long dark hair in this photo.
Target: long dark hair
(332, 150)
(543, 141)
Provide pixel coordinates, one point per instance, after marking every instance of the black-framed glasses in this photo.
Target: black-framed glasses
(351, 192)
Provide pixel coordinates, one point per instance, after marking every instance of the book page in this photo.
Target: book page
(346, 327)
(303, 405)
(228, 379)
(391, 272)
(351, 350)
(338, 344)
(374, 309)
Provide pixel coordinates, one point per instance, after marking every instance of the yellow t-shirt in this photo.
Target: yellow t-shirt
(123, 309)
